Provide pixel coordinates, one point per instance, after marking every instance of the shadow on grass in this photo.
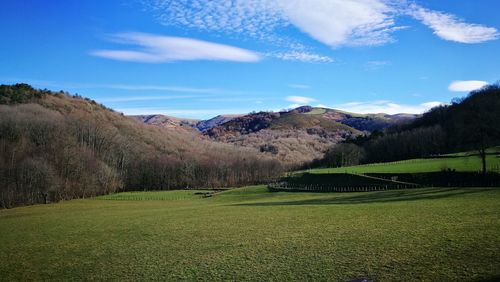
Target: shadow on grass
(377, 197)
(492, 279)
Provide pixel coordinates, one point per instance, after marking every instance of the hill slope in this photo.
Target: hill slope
(470, 163)
(299, 135)
(294, 137)
(56, 146)
(468, 124)
(166, 121)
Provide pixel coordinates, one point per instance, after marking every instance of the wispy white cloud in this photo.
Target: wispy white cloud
(450, 27)
(293, 106)
(376, 65)
(338, 22)
(257, 100)
(160, 49)
(299, 86)
(300, 100)
(122, 99)
(77, 86)
(300, 56)
(466, 85)
(322, 106)
(168, 88)
(257, 18)
(334, 23)
(387, 107)
(182, 113)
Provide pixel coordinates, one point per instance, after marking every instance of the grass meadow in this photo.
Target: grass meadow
(253, 234)
(464, 164)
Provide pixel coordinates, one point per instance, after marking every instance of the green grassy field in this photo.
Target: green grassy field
(316, 111)
(252, 234)
(155, 195)
(467, 163)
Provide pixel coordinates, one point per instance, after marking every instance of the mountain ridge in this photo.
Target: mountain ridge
(333, 114)
(293, 136)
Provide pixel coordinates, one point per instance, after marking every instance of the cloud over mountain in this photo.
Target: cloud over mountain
(300, 99)
(466, 85)
(388, 107)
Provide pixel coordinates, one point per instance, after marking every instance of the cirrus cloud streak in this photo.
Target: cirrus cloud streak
(300, 56)
(300, 100)
(450, 27)
(160, 49)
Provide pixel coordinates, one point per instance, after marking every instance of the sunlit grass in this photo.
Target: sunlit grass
(253, 234)
(316, 111)
(468, 163)
(157, 195)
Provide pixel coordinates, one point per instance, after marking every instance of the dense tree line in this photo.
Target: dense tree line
(468, 124)
(55, 147)
(343, 154)
(408, 144)
(21, 93)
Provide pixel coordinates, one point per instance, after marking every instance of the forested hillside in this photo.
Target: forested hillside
(55, 146)
(299, 135)
(294, 137)
(467, 124)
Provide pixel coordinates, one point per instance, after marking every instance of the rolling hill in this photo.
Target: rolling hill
(294, 137)
(166, 121)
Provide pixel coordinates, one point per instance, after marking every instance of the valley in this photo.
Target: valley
(91, 194)
(250, 140)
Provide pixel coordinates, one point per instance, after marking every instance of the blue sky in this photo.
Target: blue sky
(197, 58)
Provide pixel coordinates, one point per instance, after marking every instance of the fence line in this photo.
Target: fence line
(283, 186)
